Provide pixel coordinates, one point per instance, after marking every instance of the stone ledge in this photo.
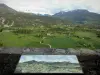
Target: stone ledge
(50, 51)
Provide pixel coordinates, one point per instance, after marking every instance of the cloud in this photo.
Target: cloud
(52, 6)
(1, 1)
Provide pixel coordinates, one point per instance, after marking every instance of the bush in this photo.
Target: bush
(1, 29)
(1, 44)
(87, 38)
(98, 34)
(22, 31)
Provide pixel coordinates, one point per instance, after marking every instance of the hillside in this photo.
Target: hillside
(5, 9)
(9, 16)
(64, 62)
(21, 29)
(80, 16)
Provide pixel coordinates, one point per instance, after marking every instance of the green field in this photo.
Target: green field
(49, 37)
(62, 42)
(21, 40)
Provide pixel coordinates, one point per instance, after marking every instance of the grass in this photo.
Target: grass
(62, 42)
(83, 39)
(85, 34)
(9, 39)
(93, 39)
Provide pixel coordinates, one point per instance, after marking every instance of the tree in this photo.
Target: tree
(98, 34)
(42, 41)
(1, 29)
(1, 44)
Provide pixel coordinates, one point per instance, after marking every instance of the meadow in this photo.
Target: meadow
(52, 36)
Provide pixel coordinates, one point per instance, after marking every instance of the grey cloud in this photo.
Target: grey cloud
(53, 6)
(1, 1)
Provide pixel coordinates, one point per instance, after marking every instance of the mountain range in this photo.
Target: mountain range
(79, 16)
(34, 61)
(6, 9)
(26, 19)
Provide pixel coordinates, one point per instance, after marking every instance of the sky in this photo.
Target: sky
(52, 6)
(49, 58)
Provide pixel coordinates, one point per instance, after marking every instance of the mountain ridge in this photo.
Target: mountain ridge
(34, 61)
(80, 16)
(5, 8)
(27, 19)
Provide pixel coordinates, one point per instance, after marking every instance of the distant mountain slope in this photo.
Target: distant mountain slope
(33, 61)
(5, 9)
(80, 16)
(9, 16)
(26, 19)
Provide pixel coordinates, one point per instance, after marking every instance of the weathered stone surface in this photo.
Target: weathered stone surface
(26, 50)
(39, 51)
(43, 51)
(73, 51)
(59, 51)
(50, 51)
(12, 50)
(98, 51)
(1, 49)
(87, 52)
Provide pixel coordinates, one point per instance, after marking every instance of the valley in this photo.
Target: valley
(19, 29)
(56, 36)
